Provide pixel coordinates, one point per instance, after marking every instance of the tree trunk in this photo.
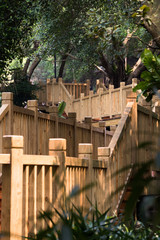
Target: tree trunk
(154, 31)
(107, 67)
(61, 69)
(33, 66)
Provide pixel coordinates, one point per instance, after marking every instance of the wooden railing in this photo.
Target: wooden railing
(105, 102)
(32, 183)
(75, 89)
(138, 125)
(37, 128)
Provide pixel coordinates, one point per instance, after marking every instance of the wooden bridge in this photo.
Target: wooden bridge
(34, 163)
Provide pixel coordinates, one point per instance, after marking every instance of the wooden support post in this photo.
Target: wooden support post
(102, 124)
(53, 111)
(7, 98)
(111, 87)
(85, 150)
(103, 153)
(33, 105)
(122, 85)
(53, 91)
(72, 116)
(88, 87)
(134, 122)
(100, 91)
(49, 92)
(12, 179)
(88, 120)
(57, 147)
(90, 112)
(97, 84)
(81, 106)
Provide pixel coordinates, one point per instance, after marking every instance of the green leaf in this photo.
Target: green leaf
(61, 108)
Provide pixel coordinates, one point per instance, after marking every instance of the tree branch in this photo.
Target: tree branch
(101, 70)
(26, 66)
(33, 66)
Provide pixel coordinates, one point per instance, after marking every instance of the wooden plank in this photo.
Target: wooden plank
(76, 162)
(40, 160)
(5, 159)
(25, 200)
(109, 122)
(49, 188)
(12, 178)
(40, 195)
(21, 110)
(103, 164)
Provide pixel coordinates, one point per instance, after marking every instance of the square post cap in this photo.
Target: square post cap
(57, 144)
(85, 148)
(12, 141)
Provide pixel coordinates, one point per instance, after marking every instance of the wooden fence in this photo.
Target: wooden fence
(29, 182)
(38, 127)
(105, 102)
(138, 125)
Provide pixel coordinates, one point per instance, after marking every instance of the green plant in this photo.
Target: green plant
(151, 76)
(94, 225)
(61, 108)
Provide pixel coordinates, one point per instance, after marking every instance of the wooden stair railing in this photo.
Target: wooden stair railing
(125, 193)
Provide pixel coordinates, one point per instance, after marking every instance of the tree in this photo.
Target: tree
(107, 29)
(16, 23)
(100, 34)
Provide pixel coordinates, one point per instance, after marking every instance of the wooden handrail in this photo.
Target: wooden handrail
(41, 160)
(119, 130)
(5, 159)
(3, 111)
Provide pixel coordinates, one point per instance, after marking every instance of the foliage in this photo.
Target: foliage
(16, 23)
(23, 90)
(61, 108)
(86, 29)
(151, 76)
(94, 225)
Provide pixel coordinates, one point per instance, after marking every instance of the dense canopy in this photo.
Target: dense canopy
(81, 35)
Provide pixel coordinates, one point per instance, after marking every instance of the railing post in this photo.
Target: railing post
(104, 155)
(90, 110)
(88, 120)
(121, 100)
(88, 87)
(57, 148)
(111, 87)
(81, 106)
(99, 92)
(48, 92)
(85, 150)
(102, 124)
(134, 124)
(33, 105)
(53, 91)
(72, 116)
(7, 98)
(53, 111)
(12, 179)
